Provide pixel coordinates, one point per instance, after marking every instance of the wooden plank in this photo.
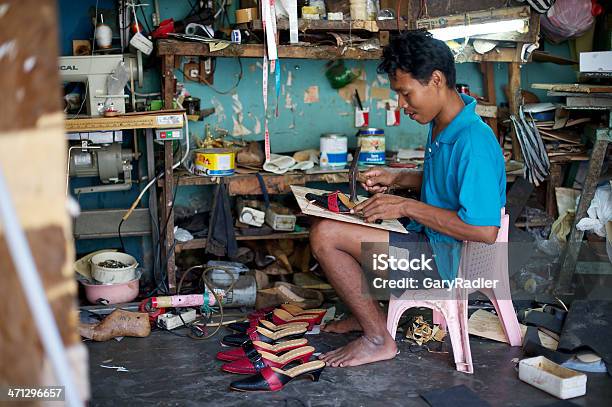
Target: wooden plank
(487, 111)
(541, 56)
(201, 243)
(475, 17)
(514, 90)
(33, 162)
(329, 25)
(574, 241)
(554, 181)
(168, 216)
(184, 48)
(275, 184)
(573, 87)
(487, 325)
(150, 120)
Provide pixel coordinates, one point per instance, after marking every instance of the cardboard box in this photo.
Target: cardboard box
(246, 15)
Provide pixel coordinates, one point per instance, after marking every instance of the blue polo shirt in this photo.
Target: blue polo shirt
(464, 171)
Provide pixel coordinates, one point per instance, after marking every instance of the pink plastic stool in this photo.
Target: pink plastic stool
(450, 307)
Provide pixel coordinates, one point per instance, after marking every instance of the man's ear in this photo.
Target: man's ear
(438, 79)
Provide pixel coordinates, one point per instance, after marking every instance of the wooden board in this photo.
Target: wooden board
(171, 48)
(487, 325)
(141, 120)
(572, 87)
(313, 210)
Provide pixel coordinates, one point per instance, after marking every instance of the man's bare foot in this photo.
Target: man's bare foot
(361, 351)
(350, 324)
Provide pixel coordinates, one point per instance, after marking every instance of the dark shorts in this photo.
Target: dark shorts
(413, 245)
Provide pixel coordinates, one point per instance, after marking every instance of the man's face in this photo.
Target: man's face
(420, 102)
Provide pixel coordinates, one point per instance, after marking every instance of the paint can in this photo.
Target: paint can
(372, 143)
(215, 162)
(334, 150)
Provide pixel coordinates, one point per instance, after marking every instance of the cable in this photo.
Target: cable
(119, 233)
(203, 79)
(210, 286)
(144, 17)
(161, 174)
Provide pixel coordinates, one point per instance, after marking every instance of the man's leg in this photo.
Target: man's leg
(337, 247)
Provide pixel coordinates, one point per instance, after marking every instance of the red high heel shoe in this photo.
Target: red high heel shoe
(249, 348)
(280, 316)
(274, 379)
(297, 311)
(256, 362)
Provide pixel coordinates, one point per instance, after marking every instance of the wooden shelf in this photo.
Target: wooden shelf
(160, 119)
(201, 243)
(330, 25)
(248, 184)
(306, 51)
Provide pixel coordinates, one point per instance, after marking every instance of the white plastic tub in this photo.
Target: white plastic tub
(108, 275)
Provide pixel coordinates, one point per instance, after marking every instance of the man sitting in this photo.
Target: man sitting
(463, 188)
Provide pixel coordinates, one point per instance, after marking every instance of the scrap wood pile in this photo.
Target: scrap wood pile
(576, 337)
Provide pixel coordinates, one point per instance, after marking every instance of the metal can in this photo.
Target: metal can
(215, 162)
(372, 143)
(334, 150)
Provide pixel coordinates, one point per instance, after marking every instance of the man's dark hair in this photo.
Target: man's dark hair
(419, 54)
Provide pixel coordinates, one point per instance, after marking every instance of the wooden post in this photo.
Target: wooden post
(574, 241)
(488, 74)
(33, 155)
(167, 212)
(514, 92)
(554, 181)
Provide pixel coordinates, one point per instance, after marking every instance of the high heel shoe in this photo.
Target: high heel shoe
(249, 348)
(274, 379)
(243, 327)
(336, 202)
(263, 335)
(280, 316)
(255, 362)
(296, 310)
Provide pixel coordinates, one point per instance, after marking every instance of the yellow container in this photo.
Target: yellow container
(215, 162)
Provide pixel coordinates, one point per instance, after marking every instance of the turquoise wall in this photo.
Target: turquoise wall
(299, 124)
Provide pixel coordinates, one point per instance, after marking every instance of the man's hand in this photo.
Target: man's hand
(377, 180)
(383, 206)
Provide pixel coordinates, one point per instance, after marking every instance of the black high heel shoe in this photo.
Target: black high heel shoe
(274, 379)
(243, 327)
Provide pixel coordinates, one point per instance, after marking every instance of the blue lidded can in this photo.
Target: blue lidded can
(372, 143)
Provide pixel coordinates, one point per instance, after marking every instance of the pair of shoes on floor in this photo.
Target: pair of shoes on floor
(286, 314)
(271, 366)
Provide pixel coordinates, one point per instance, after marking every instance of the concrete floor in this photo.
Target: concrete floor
(166, 370)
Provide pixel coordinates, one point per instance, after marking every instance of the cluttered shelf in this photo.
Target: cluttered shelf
(306, 51)
(248, 184)
(201, 243)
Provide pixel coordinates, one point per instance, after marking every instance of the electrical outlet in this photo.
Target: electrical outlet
(207, 73)
(192, 71)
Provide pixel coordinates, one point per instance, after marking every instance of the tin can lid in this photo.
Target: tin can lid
(333, 135)
(371, 131)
